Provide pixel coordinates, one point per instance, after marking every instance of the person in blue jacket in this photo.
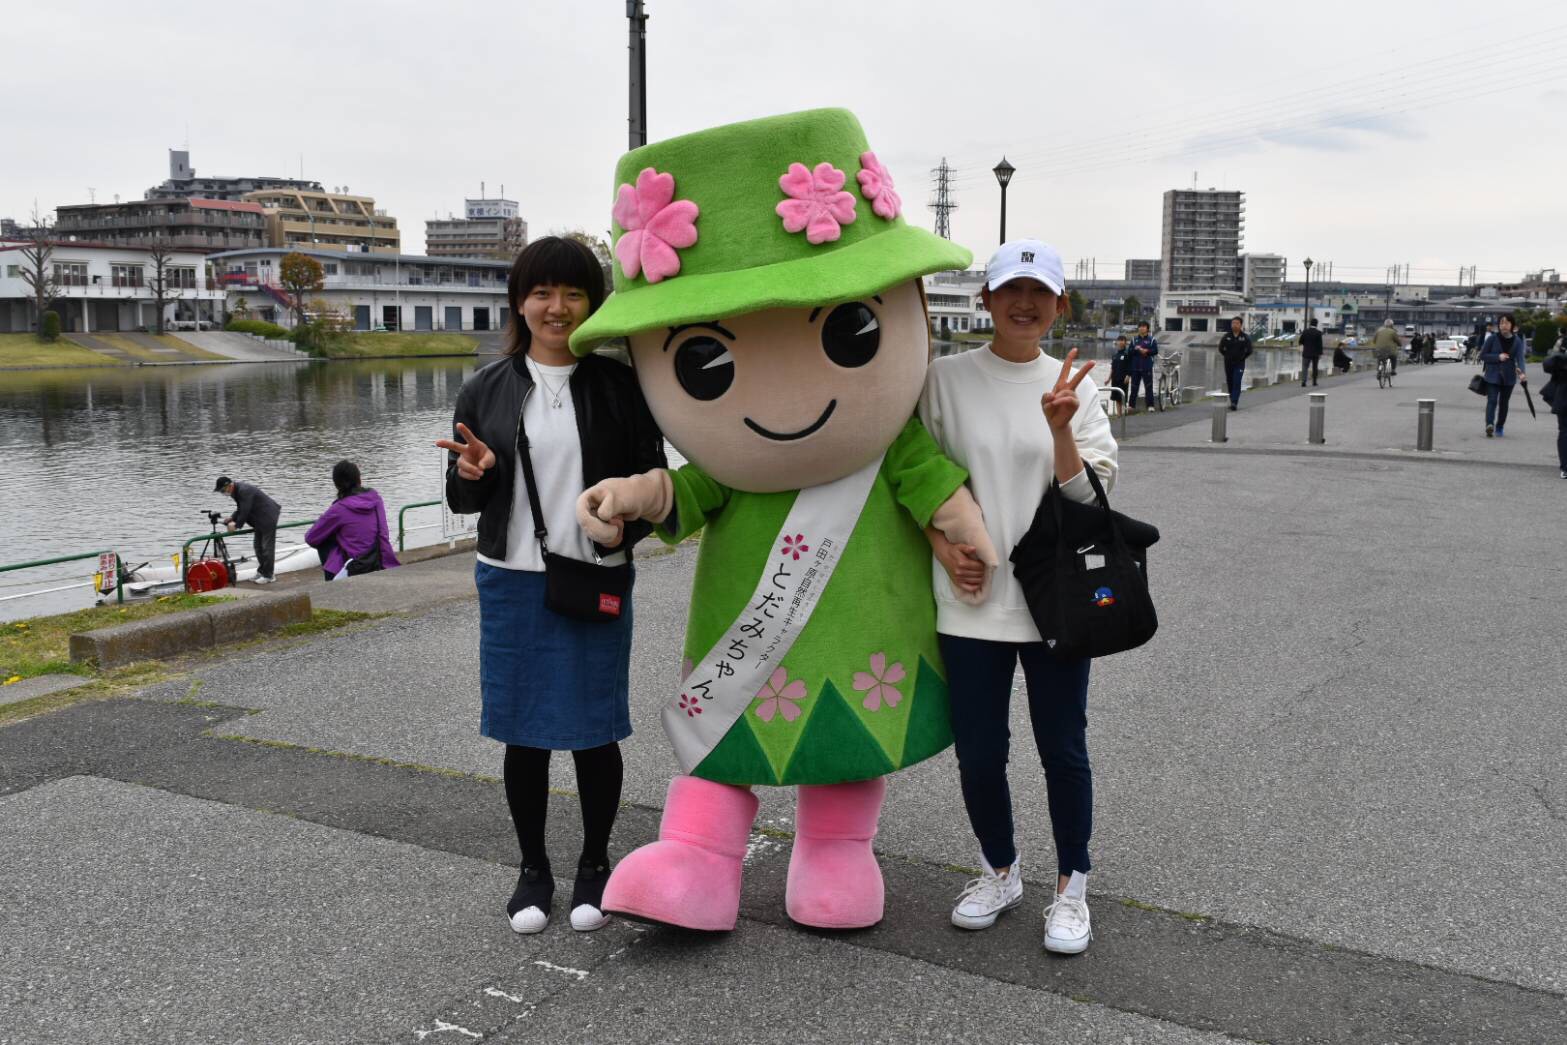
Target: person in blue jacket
(1502, 356)
(1145, 349)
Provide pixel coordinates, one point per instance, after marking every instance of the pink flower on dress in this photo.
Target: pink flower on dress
(689, 705)
(795, 546)
(876, 186)
(656, 225)
(778, 695)
(817, 202)
(879, 683)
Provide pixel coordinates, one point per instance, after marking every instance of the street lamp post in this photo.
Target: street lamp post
(1305, 320)
(1003, 172)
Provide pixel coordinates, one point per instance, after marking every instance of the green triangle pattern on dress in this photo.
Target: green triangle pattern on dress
(930, 723)
(738, 759)
(835, 745)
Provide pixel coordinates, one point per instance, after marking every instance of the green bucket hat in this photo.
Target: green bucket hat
(785, 212)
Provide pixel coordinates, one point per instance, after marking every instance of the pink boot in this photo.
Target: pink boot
(690, 877)
(834, 880)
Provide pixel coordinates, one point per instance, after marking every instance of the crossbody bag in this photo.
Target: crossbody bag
(586, 591)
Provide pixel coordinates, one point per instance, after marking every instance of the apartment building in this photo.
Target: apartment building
(326, 220)
(1200, 246)
(1263, 276)
(1143, 270)
(490, 228)
(183, 183)
(184, 223)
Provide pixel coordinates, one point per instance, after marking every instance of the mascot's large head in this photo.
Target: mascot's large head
(769, 287)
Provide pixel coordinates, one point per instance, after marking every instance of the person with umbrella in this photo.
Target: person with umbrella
(1502, 356)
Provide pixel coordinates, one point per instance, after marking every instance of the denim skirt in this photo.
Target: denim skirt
(548, 681)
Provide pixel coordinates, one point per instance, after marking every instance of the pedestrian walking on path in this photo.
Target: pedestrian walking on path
(1555, 393)
(1016, 419)
(1235, 347)
(254, 509)
(352, 534)
(1310, 352)
(550, 682)
(1502, 356)
(1121, 368)
(1145, 349)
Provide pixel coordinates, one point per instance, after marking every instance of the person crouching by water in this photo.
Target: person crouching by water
(550, 682)
(352, 535)
(254, 509)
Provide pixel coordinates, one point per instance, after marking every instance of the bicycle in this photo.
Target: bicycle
(1384, 373)
(1168, 393)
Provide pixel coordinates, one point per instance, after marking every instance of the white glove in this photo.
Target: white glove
(960, 519)
(605, 508)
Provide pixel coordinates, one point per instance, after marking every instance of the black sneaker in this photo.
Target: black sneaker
(1490, 430)
(529, 906)
(587, 896)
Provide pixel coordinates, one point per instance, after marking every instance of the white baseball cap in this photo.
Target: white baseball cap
(1026, 259)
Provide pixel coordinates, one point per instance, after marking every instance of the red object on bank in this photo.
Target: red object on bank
(206, 575)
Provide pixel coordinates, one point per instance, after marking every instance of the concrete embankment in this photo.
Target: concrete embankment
(160, 638)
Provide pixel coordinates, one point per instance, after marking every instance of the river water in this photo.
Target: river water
(124, 459)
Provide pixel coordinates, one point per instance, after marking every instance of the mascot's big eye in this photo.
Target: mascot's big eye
(705, 367)
(851, 334)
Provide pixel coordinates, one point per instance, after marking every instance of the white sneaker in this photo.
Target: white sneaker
(264, 580)
(1066, 921)
(984, 898)
(585, 918)
(529, 920)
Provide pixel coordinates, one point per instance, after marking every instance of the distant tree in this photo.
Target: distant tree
(159, 253)
(600, 249)
(38, 268)
(1132, 307)
(49, 329)
(1078, 308)
(241, 308)
(1546, 331)
(299, 274)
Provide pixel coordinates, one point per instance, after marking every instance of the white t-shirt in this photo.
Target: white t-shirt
(556, 449)
(984, 413)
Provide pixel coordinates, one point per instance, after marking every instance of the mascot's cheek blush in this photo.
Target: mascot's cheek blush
(788, 398)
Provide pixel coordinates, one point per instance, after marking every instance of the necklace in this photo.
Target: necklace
(554, 391)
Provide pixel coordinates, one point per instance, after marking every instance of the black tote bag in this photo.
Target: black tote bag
(1084, 573)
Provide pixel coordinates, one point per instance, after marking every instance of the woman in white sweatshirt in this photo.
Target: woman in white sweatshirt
(1016, 419)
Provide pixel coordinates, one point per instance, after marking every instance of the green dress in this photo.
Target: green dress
(862, 691)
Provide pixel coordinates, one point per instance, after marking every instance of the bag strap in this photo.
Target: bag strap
(1054, 496)
(527, 474)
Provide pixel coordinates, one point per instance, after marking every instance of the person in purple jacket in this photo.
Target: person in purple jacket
(352, 535)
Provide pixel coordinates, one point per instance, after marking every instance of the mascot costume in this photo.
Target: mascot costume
(770, 291)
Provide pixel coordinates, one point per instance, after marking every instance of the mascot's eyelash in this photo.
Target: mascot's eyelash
(817, 311)
(675, 331)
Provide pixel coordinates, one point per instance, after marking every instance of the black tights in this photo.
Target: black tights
(527, 776)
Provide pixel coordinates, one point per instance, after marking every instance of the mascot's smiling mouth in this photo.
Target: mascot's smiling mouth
(784, 437)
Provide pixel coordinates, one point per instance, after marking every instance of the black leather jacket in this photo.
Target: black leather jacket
(619, 438)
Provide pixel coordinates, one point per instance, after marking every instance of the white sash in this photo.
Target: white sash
(729, 676)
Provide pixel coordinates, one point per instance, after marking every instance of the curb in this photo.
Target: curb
(173, 634)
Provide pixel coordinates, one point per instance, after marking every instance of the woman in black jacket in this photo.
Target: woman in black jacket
(550, 682)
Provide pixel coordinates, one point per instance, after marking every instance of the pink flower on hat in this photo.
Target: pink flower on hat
(656, 226)
(817, 202)
(876, 186)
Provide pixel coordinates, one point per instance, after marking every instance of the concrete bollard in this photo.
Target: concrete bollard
(1319, 414)
(1221, 416)
(1426, 425)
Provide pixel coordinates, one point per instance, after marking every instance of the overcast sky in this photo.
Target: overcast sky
(1432, 133)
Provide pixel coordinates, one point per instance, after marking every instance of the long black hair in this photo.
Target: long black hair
(345, 476)
(554, 261)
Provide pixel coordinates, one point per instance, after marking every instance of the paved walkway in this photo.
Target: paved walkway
(1329, 804)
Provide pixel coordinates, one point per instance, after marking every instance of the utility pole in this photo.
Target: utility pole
(637, 121)
(941, 200)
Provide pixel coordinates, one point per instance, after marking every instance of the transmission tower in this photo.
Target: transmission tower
(941, 200)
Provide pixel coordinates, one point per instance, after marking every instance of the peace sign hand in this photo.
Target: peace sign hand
(1060, 403)
(474, 458)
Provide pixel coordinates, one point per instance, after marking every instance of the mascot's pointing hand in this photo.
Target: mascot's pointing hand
(960, 519)
(605, 508)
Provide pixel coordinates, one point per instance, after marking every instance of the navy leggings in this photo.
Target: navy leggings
(979, 674)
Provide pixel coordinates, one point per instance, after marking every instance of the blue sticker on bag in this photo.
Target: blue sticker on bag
(1104, 597)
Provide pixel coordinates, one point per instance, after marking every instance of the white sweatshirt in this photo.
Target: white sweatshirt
(985, 413)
